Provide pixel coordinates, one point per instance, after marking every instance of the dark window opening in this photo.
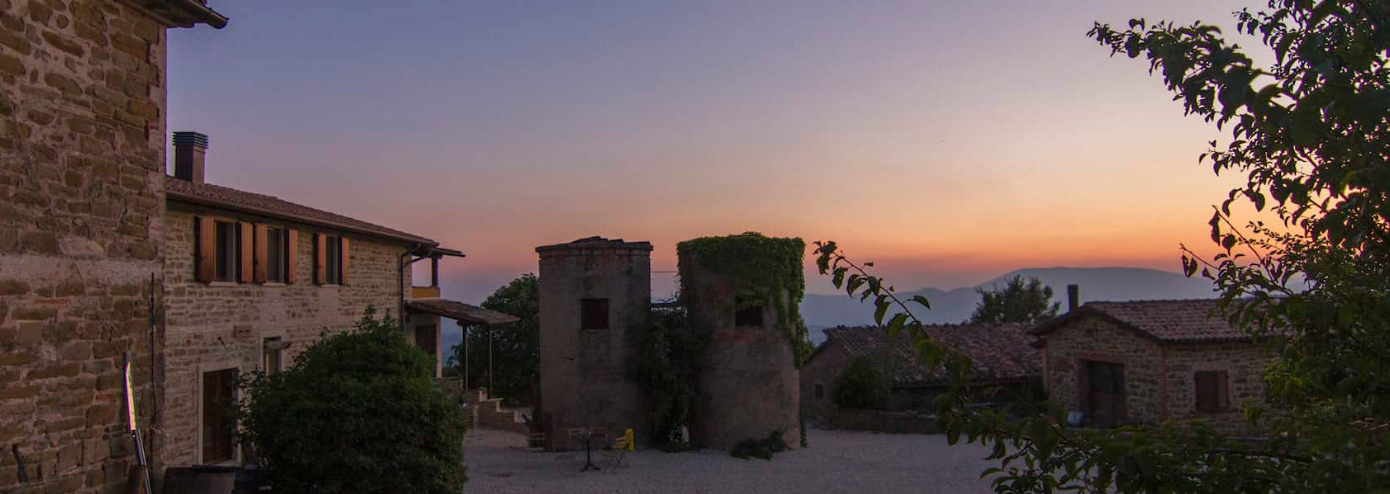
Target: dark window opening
(272, 348)
(334, 260)
(593, 313)
(276, 253)
(219, 416)
(227, 250)
(1212, 395)
(749, 317)
(820, 391)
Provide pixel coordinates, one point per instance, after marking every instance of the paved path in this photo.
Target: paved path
(849, 462)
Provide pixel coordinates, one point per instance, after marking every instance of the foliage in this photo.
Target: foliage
(766, 267)
(357, 412)
(760, 448)
(1311, 141)
(863, 384)
(1018, 301)
(515, 346)
(670, 364)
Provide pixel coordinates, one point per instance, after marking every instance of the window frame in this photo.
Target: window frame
(277, 254)
(227, 251)
(333, 260)
(750, 316)
(1219, 392)
(272, 346)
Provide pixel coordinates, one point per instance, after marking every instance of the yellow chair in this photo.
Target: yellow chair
(621, 447)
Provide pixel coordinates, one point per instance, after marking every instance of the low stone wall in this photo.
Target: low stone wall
(881, 421)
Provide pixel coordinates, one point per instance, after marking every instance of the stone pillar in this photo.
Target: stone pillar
(750, 377)
(586, 361)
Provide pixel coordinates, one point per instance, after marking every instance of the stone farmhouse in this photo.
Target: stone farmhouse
(1002, 354)
(250, 279)
(103, 255)
(82, 126)
(1152, 361)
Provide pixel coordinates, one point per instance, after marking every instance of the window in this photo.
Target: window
(228, 250)
(593, 313)
(820, 391)
(272, 348)
(749, 317)
(334, 261)
(277, 254)
(1212, 393)
(219, 416)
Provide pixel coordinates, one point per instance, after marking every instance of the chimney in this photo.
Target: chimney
(190, 149)
(1073, 297)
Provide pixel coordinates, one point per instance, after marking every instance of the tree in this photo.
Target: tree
(1018, 301)
(515, 346)
(1310, 136)
(357, 412)
(863, 384)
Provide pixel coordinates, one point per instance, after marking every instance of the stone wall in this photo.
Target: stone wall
(82, 104)
(222, 325)
(1159, 379)
(822, 369)
(750, 376)
(881, 421)
(586, 374)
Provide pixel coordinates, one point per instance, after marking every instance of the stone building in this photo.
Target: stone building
(750, 378)
(1002, 356)
(595, 296)
(1152, 361)
(251, 280)
(82, 125)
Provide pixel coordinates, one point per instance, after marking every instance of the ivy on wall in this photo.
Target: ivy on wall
(763, 268)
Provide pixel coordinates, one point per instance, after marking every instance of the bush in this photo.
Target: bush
(863, 384)
(760, 448)
(357, 412)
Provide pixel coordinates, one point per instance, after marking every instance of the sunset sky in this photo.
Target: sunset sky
(949, 141)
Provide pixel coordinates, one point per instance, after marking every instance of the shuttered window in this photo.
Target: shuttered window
(227, 246)
(334, 261)
(1211, 390)
(276, 253)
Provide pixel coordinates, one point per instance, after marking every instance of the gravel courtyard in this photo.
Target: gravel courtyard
(851, 462)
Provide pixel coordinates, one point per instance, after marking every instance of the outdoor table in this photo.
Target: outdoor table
(589, 452)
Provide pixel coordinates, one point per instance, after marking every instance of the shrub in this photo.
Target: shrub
(863, 384)
(760, 448)
(357, 412)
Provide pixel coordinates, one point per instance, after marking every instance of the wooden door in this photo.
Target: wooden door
(1106, 393)
(219, 416)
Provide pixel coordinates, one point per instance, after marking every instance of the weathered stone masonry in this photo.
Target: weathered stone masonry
(82, 101)
(222, 325)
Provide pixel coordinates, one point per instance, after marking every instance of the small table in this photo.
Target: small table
(589, 452)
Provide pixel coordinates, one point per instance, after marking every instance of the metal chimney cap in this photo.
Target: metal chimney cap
(189, 138)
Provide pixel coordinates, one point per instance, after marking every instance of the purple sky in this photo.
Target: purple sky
(950, 141)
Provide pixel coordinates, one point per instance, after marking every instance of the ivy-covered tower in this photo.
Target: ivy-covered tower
(745, 291)
(595, 300)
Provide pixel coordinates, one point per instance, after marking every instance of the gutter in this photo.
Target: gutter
(203, 12)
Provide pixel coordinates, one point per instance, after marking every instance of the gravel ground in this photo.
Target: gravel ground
(851, 462)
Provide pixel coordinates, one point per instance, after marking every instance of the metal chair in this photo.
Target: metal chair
(621, 447)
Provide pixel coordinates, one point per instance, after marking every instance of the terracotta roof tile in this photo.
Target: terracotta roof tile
(1000, 352)
(261, 204)
(1177, 321)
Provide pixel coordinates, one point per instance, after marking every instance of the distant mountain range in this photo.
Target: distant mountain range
(955, 306)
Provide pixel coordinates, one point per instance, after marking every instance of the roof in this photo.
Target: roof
(596, 243)
(260, 204)
(1169, 321)
(999, 352)
(184, 13)
(458, 311)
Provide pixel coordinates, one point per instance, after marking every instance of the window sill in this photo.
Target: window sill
(223, 283)
(273, 284)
